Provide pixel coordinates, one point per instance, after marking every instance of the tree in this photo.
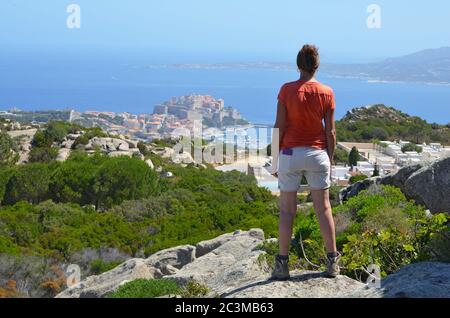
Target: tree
(7, 156)
(341, 156)
(380, 133)
(121, 179)
(43, 154)
(376, 171)
(353, 157)
(72, 181)
(28, 183)
(412, 147)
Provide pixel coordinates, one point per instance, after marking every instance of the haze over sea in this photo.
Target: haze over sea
(82, 84)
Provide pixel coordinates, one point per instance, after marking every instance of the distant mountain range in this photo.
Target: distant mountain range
(428, 66)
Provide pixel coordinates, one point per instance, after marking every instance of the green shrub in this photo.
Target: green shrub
(412, 147)
(99, 266)
(88, 135)
(121, 179)
(7, 156)
(194, 289)
(358, 178)
(28, 183)
(142, 288)
(43, 154)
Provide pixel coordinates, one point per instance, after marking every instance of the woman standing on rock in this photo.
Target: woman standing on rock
(305, 131)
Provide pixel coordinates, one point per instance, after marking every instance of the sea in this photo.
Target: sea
(137, 88)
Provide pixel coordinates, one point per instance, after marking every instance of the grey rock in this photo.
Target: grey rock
(228, 265)
(303, 284)
(176, 257)
(149, 163)
(120, 154)
(123, 146)
(206, 247)
(355, 189)
(430, 186)
(169, 270)
(101, 285)
(420, 280)
(63, 154)
(427, 184)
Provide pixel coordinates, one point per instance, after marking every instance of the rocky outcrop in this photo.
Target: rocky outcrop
(233, 266)
(100, 285)
(430, 186)
(420, 280)
(176, 257)
(63, 154)
(427, 184)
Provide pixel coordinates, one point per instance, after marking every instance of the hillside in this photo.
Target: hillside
(427, 66)
(113, 200)
(380, 122)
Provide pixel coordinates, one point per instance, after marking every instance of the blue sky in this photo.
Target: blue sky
(231, 30)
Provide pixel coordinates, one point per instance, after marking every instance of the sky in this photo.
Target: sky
(207, 31)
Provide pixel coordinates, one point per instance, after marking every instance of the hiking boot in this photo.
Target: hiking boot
(333, 269)
(281, 271)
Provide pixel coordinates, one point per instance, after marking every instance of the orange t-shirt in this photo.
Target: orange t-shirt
(306, 104)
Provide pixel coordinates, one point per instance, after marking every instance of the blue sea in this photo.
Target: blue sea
(123, 86)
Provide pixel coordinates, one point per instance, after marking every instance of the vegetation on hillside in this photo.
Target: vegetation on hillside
(380, 122)
(380, 226)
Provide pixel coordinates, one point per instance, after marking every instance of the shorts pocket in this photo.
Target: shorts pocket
(319, 161)
(284, 163)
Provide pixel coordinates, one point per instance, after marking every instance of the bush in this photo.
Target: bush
(73, 181)
(194, 289)
(7, 156)
(142, 288)
(121, 179)
(358, 178)
(412, 147)
(29, 183)
(88, 135)
(43, 154)
(99, 266)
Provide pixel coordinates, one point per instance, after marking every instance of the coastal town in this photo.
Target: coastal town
(179, 115)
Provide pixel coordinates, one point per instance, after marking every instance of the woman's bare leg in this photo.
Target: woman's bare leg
(288, 210)
(322, 206)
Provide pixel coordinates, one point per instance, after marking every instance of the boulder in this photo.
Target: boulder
(176, 257)
(419, 280)
(355, 189)
(206, 247)
(184, 157)
(169, 270)
(149, 163)
(430, 186)
(73, 136)
(228, 265)
(427, 184)
(120, 154)
(233, 266)
(123, 146)
(303, 284)
(101, 285)
(63, 154)
(132, 144)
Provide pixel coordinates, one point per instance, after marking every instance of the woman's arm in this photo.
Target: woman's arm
(278, 133)
(330, 129)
